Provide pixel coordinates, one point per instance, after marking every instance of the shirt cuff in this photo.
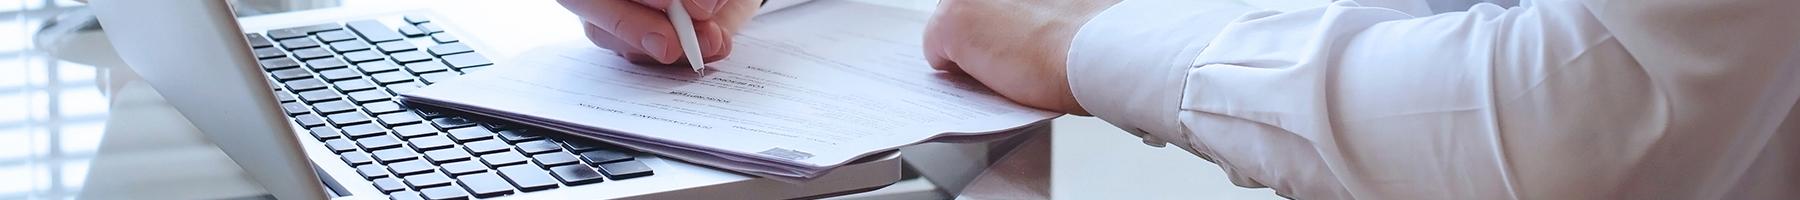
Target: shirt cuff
(1127, 65)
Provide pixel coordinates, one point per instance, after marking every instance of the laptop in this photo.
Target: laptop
(309, 107)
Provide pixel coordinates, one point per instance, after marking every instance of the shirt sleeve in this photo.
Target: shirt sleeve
(1349, 101)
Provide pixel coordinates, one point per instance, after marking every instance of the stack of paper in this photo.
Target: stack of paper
(806, 90)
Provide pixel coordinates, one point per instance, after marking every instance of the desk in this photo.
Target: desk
(74, 123)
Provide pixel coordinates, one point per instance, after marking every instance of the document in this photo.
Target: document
(805, 90)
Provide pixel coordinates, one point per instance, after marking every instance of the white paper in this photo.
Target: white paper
(805, 90)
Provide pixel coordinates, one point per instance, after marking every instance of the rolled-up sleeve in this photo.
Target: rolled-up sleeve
(1547, 100)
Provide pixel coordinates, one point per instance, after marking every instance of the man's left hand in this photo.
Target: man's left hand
(1017, 47)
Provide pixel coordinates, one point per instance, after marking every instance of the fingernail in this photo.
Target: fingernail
(657, 46)
(708, 6)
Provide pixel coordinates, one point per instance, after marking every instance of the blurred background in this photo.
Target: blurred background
(64, 95)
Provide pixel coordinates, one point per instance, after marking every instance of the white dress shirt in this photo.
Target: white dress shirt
(1569, 99)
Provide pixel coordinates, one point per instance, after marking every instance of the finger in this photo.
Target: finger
(700, 10)
(716, 35)
(606, 40)
(640, 26)
(715, 39)
(936, 49)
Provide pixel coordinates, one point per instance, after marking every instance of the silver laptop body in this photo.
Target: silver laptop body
(195, 53)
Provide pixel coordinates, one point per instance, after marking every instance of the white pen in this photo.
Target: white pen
(684, 31)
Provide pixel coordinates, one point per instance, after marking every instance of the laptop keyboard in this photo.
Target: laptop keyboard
(340, 82)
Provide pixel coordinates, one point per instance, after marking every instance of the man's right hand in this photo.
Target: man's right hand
(640, 30)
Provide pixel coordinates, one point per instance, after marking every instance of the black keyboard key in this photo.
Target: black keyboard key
(430, 113)
(437, 77)
(356, 158)
(471, 70)
(448, 49)
(416, 19)
(340, 145)
(384, 107)
(528, 178)
(349, 118)
(403, 88)
(268, 52)
(410, 56)
(444, 156)
(258, 41)
(363, 57)
(395, 46)
(286, 97)
(486, 147)
(581, 146)
(309, 120)
(427, 180)
(302, 31)
(430, 28)
(295, 108)
(470, 134)
(496, 127)
(390, 185)
(303, 85)
(278, 64)
(411, 31)
(372, 172)
(467, 60)
(405, 195)
(378, 66)
(399, 119)
(335, 36)
(626, 170)
(426, 67)
(285, 34)
(373, 31)
(290, 74)
(457, 122)
(553, 159)
(518, 135)
(349, 46)
(325, 133)
(537, 147)
(485, 185)
(603, 156)
(339, 74)
(504, 159)
(370, 96)
(444, 38)
(460, 168)
(434, 142)
(447, 192)
(312, 54)
(316, 96)
(576, 174)
(334, 107)
(363, 131)
(325, 64)
(415, 130)
(385, 78)
(410, 167)
(299, 43)
(390, 156)
(353, 85)
(381, 142)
